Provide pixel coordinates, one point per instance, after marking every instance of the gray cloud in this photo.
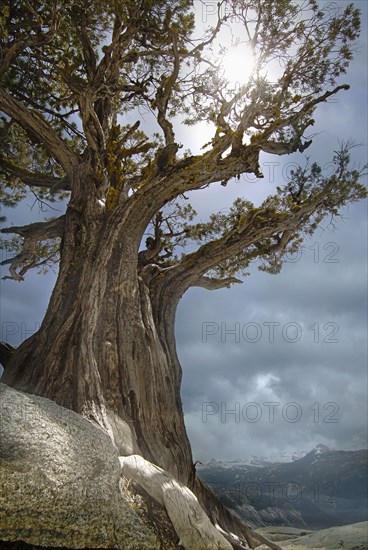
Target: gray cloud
(321, 301)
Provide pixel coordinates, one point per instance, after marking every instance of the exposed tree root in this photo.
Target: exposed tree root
(192, 525)
(220, 515)
(190, 522)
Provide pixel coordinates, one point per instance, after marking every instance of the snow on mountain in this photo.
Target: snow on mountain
(328, 487)
(320, 449)
(259, 461)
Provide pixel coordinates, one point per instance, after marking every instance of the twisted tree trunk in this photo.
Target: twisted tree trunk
(106, 346)
(104, 350)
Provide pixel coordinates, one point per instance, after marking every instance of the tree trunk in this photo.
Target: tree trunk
(106, 348)
(100, 351)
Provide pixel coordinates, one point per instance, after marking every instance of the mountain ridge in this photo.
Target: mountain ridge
(323, 488)
(281, 458)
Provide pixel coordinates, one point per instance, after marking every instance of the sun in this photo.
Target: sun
(238, 64)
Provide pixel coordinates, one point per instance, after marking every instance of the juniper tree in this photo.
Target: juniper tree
(75, 80)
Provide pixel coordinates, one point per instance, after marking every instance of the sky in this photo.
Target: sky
(278, 363)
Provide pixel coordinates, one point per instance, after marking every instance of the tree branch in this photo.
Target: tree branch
(38, 129)
(258, 225)
(281, 148)
(39, 230)
(199, 171)
(91, 124)
(62, 116)
(109, 64)
(34, 179)
(163, 95)
(285, 148)
(165, 156)
(210, 283)
(188, 174)
(32, 234)
(89, 55)
(12, 49)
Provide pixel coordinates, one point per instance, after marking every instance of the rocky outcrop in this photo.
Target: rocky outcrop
(59, 480)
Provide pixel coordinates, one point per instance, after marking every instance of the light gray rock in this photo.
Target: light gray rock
(59, 480)
(345, 537)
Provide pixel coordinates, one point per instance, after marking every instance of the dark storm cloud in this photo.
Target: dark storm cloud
(325, 302)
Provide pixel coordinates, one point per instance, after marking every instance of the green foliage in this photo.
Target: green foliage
(309, 44)
(88, 70)
(12, 246)
(17, 151)
(307, 189)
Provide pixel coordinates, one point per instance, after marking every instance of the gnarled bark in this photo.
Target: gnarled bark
(99, 350)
